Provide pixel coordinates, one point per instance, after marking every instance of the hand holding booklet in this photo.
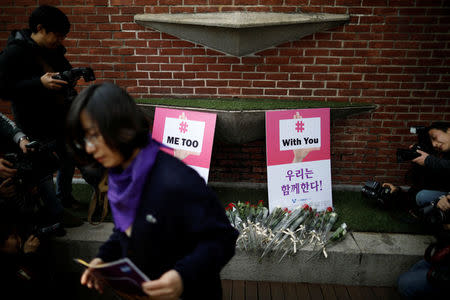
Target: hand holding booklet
(121, 275)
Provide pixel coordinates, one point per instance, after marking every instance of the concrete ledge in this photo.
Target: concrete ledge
(361, 259)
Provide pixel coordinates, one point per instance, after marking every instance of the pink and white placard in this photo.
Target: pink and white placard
(188, 134)
(298, 158)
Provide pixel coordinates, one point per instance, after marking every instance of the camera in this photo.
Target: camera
(423, 144)
(374, 190)
(46, 231)
(39, 161)
(433, 215)
(72, 75)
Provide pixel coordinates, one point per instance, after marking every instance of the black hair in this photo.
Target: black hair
(51, 18)
(123, 126)
(443, 126)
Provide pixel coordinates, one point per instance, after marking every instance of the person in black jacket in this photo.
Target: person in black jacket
(19, 198)
(39, 102)
(430, 170)
(167, 221)
(10, 137)
(436, 167)
(25, 272)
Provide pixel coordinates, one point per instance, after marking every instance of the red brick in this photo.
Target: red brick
(300, 92)
(252, 91)
(224, 67)
(160, 75)
(316, 52)
(287, 84)
(260, 83)
(217, 83)
(206, 91)
(171, 67)
(277, 76)
(350, 77)
(327, 61)
(183, 91)
(338, 85)
(230, 75)
(253, 75)
(312, 84)
(209, 75)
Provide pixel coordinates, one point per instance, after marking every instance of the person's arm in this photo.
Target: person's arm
(13, 84)
(206, 222)
(9, 131)
(434, 162)
(8, 128)
(111, 249)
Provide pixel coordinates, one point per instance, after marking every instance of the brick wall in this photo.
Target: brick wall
(392, 53)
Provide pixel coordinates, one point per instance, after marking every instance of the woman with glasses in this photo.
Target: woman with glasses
(166, 219)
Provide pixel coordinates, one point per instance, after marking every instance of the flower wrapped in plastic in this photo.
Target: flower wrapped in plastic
(282, 231)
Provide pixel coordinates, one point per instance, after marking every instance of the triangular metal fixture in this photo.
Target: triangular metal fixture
(241, 33)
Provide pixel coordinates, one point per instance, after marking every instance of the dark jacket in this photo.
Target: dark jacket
(437, 172)
(38, 111)
(179, 225)
(9, 135)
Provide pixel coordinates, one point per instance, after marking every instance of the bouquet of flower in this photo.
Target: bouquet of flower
(282, 231)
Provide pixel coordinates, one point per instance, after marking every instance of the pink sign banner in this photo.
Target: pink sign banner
(298, 158)
(189, 135)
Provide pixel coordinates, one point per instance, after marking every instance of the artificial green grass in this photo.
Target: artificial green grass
(245, 104)
(358, 213)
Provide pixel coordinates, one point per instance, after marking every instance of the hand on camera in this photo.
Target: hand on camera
(31, 245)
(392, 187)
(421, 159)
(51, 83)
(444, 203)
(6, 170)
(23, 144)
(7, 190)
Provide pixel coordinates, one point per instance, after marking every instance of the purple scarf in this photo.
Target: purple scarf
(125, 186)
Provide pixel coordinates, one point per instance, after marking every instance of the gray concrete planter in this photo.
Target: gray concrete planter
(240, 127)
(369, 259)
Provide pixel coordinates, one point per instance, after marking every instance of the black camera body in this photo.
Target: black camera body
(72, 76)
(423, 144)
(39, 161)
(374, 190)
(404, 155)
(47, 231)
(433, 215)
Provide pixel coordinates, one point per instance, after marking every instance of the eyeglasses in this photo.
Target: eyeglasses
(92, 139)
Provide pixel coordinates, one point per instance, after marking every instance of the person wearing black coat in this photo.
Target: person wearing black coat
(39, 102)
(167, 221)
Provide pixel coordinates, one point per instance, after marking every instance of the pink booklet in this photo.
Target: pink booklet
(121, 275)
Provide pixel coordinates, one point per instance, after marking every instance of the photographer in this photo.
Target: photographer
(430, 170)
(10, 137)
(21, 197)
(40, 102)
(436, 167)
(25, 270)
(430, 277)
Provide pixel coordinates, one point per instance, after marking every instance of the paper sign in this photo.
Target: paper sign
(188, 134)
(184, 134)
(299, 133)
(298, 158)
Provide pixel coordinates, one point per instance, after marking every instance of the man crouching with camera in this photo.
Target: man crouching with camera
(430, 277)
(437, 165)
